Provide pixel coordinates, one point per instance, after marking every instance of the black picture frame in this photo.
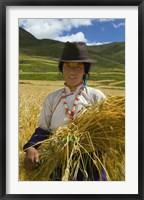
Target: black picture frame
(3, 128)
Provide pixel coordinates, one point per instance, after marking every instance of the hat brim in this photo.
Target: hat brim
(85, 60)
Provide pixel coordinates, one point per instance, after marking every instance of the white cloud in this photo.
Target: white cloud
(52, 28)
(118, 25)
(97, 43)
(60, 29)
(105, 19)
(78, 37)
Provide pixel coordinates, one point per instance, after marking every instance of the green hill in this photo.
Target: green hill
(29, 45)
(113, 53)
(36, 59)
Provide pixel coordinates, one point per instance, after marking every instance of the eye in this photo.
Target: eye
(66, 66)
(79, 67)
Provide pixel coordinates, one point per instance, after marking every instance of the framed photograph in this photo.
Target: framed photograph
(113, 32)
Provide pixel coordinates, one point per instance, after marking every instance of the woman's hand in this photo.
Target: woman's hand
(31, 158)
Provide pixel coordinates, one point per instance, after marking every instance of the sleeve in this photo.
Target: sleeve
(98, 95)
(38, 136)
(46, 114)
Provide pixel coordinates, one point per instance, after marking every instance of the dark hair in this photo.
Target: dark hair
(87, 67)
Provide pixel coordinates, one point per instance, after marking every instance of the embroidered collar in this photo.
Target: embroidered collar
(68, 91)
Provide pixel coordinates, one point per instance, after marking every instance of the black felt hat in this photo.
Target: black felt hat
(75, 52)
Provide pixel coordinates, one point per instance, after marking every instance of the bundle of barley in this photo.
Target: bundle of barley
(95, 140)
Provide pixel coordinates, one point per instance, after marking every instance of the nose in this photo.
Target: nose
(72, 70)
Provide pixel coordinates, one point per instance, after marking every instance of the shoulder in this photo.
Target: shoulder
(96, 94)
(95, 91)
(53, 96)
(55, 93)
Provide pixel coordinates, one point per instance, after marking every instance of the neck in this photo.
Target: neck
(73, 88)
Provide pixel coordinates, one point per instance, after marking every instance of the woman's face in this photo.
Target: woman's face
(73, 73)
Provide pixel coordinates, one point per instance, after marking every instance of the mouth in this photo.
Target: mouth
(72, 77)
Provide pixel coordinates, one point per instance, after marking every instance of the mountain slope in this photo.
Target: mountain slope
(109, 55)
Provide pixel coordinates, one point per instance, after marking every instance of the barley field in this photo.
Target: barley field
(31, 97)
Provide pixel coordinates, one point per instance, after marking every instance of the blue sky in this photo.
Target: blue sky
(91, 31)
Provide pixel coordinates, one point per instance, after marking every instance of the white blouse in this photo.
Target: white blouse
(53, 114)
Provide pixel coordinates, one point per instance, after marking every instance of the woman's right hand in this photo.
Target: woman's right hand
(31, 158)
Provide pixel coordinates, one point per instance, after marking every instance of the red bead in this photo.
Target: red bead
(65, 102)
(72, 112)
(77, 98)
(74, 104)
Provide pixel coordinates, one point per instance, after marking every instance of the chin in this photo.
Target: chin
(74, 84)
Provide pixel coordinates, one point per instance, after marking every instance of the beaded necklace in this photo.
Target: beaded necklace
(71, 113)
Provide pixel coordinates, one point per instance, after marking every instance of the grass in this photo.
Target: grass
(43, 68)
(50, 77)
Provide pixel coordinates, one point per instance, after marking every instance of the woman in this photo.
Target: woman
(62, 106)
